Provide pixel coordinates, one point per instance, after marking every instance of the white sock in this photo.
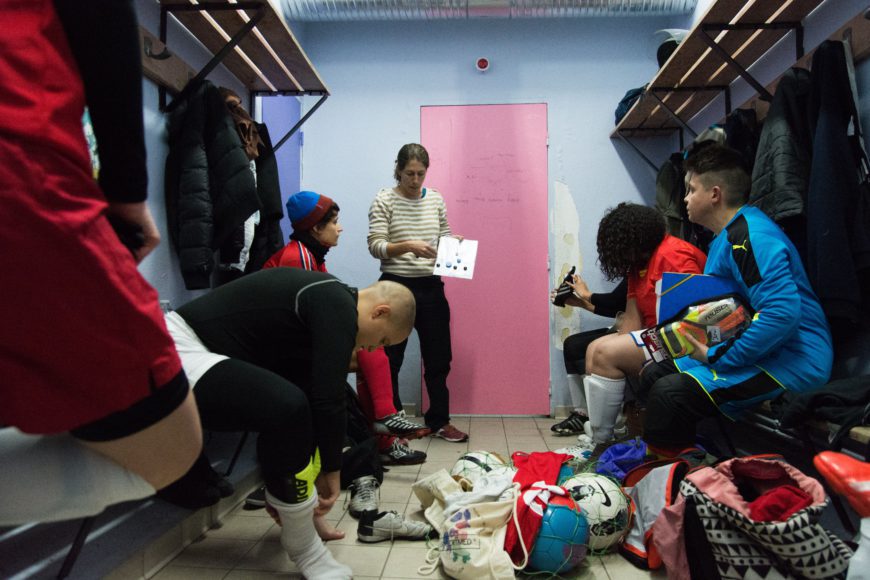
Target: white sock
(859, 564)
(604, 397)
(578, 394)
(47, 478)
(302, 543)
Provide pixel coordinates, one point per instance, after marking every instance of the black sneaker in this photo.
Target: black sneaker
(256, 499)
(400, 454)
(573, 425)
(397, 424)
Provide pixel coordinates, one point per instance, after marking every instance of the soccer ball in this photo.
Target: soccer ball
(606, 507)
(561, 541)
(470, 467)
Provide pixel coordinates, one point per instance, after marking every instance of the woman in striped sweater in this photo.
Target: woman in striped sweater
(405, 223)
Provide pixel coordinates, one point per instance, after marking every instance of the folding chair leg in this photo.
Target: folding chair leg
(238, 452)
(76, 547)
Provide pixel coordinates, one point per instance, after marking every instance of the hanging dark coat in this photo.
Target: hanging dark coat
(210, 188)
(781, 171)
(838, 202)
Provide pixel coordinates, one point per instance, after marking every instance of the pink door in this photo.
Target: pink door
(490, 164)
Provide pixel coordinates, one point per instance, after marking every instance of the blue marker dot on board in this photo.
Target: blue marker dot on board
(449, 264)
(458, 260)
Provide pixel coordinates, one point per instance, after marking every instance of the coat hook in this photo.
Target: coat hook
(162, 55)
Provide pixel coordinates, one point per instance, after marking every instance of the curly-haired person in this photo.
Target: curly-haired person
(633, 244)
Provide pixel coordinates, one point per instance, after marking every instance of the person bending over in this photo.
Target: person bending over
(95, 407)
(788, 344)
(632, 243)
(269, 353)
(316, 230)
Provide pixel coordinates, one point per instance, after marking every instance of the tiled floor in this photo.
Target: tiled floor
(247, 545)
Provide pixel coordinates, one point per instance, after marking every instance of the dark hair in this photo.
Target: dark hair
(330, 213)
(410, 152)
(722, 166)
(628, 234)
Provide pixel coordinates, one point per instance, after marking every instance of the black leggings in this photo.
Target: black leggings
(237, 396)
(676, 402)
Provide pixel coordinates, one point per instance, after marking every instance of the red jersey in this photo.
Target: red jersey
(672, 255)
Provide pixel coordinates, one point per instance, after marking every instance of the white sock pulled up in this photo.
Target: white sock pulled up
(303, 545)
(578, 394)
(604, 397)
(48, 478)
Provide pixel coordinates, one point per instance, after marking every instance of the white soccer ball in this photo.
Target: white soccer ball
(471, 466)
(607, 508)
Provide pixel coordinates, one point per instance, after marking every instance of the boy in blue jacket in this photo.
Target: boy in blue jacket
(787, 346)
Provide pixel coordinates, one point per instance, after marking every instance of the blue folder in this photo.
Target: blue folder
(677, 291)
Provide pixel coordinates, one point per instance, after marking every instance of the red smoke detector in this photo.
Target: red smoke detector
(482, 64)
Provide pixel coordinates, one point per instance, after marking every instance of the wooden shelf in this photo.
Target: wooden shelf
(695, 73)
(267, 60)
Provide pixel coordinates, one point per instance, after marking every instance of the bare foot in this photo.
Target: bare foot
(326, 530)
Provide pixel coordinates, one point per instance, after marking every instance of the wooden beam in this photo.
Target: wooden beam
(162, 66)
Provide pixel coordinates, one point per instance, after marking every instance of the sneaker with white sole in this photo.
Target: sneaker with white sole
(572, 425)
(397, 424)
(256, 499)
(378, 527)
(400, 454)
(582, 450)
(364, 495)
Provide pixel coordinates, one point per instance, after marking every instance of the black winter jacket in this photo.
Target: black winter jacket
(838, 210)
(210, 188)
(782, 163)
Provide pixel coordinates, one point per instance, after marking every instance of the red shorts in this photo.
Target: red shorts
(81, 332)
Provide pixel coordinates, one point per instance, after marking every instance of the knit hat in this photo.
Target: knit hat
(306, 208)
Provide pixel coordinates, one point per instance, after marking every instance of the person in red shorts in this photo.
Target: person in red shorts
(95, 405)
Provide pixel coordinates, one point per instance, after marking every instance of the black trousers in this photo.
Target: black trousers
(237, 396)
(433, 328)
(675, 402)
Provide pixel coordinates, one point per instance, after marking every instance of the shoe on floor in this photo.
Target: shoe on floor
(377, 527)
(582, 450)
(450, 433)
(847, 476)
(397, 424)
(400, 454)
(364, 496)
(256, 499)
(573, 425)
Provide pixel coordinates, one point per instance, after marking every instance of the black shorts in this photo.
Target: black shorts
(159, 404)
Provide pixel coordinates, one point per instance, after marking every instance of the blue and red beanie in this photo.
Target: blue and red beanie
(306, 208)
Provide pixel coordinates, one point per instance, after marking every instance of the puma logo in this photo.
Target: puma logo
(716, 376)
(740, 246)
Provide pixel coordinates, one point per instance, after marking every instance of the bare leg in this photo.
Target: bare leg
(161, 453)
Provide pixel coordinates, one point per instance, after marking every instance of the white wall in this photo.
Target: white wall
(381, 73)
